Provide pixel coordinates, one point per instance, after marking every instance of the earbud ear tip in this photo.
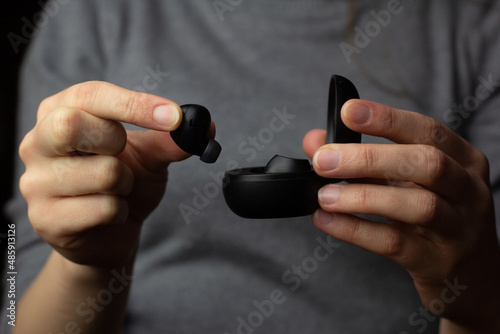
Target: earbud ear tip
(211, 152)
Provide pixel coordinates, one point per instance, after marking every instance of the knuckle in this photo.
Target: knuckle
(38, 216)
(438, 164)
(109, 174)
(429, 208)
(57, 236)
(26, 146)
(45, 107)
(132, 105)
(45, 104)
(362, 198)
(483, 165)
(127, 181)
(83, 95)
(41, 230)
(368, 157)
(65, 126)
(112, 208)
(391, 120)
(26, 186)
(387, 118)
(437, 131)
(352, 232)
(482, 159)
(395, 243)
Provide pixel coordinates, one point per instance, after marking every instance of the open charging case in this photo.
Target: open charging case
(288, 187)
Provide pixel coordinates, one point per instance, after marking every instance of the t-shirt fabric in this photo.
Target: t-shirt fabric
(262, 68)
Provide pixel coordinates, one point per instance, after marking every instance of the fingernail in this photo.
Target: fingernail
(167, 116)
(326, 159)
(329, 194)
(323, 217)
(358, 113)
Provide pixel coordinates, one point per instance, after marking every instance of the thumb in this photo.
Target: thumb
(152, 151)
(313, 140)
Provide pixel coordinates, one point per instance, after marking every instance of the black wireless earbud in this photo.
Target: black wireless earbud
(288, 187)
(192, 134)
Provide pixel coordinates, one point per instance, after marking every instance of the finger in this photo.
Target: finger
(405, 127)
(409, 205)
(383, 239)
(212, 130)
(422, 164)
(316, 138)
(313, 140)
(109, 101)
(76, 176)
(69, 129)
(54, 220)
(151, 151)
(385, 182)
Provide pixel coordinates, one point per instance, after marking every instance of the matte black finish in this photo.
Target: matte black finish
(289, 187)
(280, 164)
(337, 132)
(253, 193)
(192, 134)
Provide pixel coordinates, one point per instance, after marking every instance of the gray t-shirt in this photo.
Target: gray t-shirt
(262, 67)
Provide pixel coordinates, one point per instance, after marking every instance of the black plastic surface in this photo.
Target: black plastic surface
(342, 90)
(289, 187)
(250, 193)
(192, 134)
(212, 152)
(280, 164)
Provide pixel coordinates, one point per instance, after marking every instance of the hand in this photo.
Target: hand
(89, 183)
(432, 187)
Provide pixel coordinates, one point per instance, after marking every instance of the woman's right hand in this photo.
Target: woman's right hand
(89, 183)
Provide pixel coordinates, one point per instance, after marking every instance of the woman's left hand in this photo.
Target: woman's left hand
(433, 189)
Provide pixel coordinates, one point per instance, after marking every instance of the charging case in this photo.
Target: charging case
(288, 187)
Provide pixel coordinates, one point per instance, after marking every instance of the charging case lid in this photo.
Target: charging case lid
(341, 91)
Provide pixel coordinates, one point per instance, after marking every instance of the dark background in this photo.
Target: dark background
(13, 17)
